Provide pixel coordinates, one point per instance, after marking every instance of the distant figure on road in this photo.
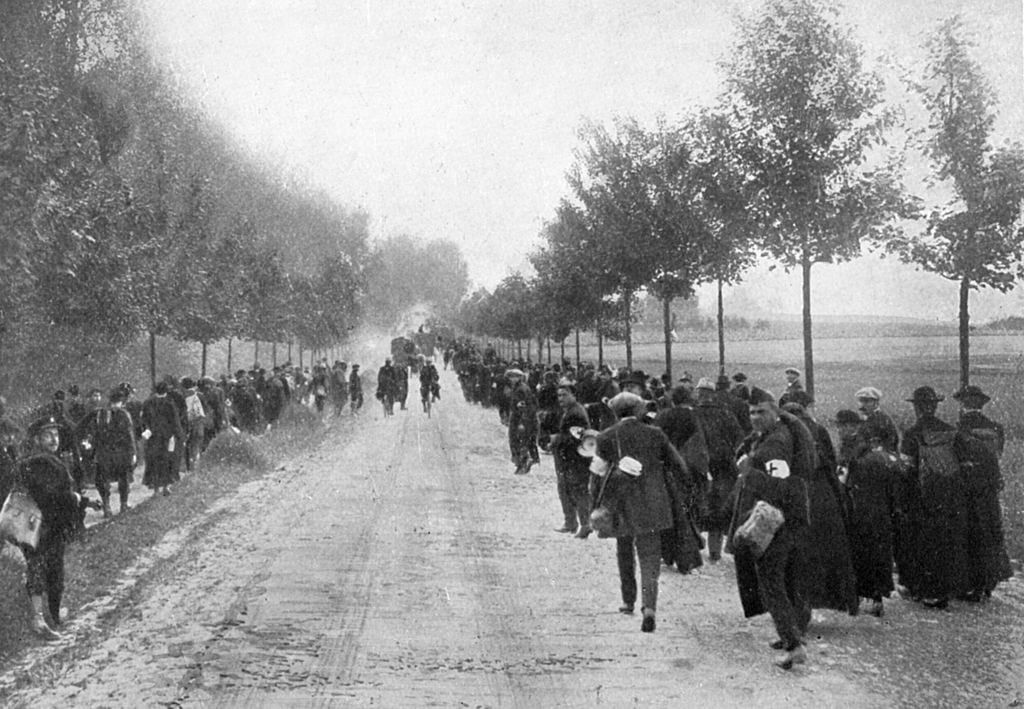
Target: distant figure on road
(387, 386)
(792, 380)
(355, 389)
(522, 422)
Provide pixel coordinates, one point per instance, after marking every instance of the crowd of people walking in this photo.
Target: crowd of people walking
(73, 443)
(669, 468)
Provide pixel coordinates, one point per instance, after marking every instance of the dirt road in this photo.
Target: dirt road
(401, 563)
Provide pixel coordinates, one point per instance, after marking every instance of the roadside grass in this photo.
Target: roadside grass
(96, 559)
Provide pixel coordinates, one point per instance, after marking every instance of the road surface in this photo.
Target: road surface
(401, 564)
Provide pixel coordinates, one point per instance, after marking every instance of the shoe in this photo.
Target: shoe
(566, 529)
(938, 603)
(715, 557)
(583, 533)
(520, 470)
(106, 511)
(777, 645)
(796, 656)
(43, 629)
(647, 624)
(877, 610)
(626, 609)
(970, 597)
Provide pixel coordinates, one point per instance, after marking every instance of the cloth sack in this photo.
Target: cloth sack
(757, 532)
(20, 519)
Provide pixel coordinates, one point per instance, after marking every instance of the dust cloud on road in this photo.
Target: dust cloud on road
(400, 563)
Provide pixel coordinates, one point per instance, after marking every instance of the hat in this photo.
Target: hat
(117, 394)
(846, 416)
(760, 396)
(355, 367)
(686, 378)
(739, 377)
(972, 394)
(722, 382)
(514, 372)
(40, 425)
(187, 382)
(705, 383)
(925, 394)
(160, 388)
(567, 384)
(126, 387)
(95, 390)
(791, 370)
(626, 404)
(73, 390)
(868, 393)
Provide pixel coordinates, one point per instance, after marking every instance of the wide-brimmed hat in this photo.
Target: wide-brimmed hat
(514, 372)
(972, 394)
(635, 377)
(925, 394)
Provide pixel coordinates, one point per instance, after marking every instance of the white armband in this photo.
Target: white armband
(777, 469)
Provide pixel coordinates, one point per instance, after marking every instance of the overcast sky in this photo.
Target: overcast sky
(458, 119)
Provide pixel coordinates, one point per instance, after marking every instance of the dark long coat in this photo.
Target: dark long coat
(981, 443)
(642, 504)
(831, 582)
(160, 416)
(788, 495)
(932, 555)
(871, 485)
(723, 435)
(682, 544)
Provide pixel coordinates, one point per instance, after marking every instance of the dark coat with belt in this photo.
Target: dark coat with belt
(645, 503)
(570, 464)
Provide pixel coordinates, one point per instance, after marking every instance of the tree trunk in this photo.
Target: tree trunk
(540, 349)
(289, 351)
(300, 356)
(549, 351)
(628, 295)
(600, 349)
(561, 357)
(577, 348)
(152, 358)
(519, 349)
(666, 313)
(230, 371)
(965, 333)
(256, 355)
(808, 343)
(273, 354)
(202, 367)
(721, 331)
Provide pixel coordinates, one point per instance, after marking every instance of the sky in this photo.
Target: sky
(458, 120)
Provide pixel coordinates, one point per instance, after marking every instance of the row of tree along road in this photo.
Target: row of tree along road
(801, 161)
(126, 210)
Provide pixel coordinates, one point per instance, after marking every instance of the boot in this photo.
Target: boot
(106, 505)
(39, 624)
(714, 546)
(796, 656)
(124, 503)
(53, 601)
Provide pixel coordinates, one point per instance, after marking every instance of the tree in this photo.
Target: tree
(730, 249)
(977, 239)
(609, 184)
(805, 116)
